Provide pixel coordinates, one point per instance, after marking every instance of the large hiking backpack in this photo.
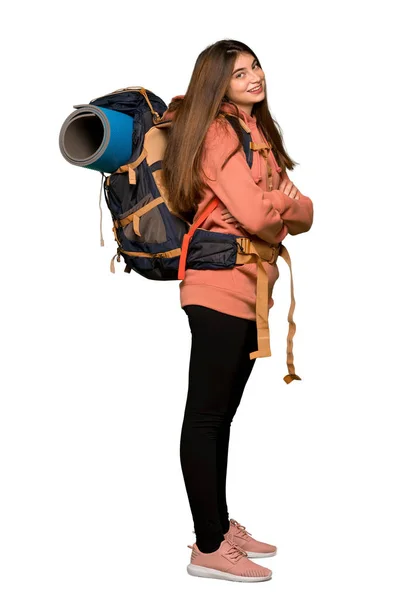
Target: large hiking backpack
(150, 236)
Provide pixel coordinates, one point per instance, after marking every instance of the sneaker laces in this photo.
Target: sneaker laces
(234, 551)
(242, 529)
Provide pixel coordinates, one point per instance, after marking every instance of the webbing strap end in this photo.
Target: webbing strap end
(265, 352)
(291, 377)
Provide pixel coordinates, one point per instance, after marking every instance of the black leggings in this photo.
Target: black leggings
(219, 369)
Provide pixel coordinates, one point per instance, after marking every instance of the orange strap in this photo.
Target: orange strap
(188, 236)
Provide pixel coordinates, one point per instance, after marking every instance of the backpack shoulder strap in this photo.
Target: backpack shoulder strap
(246, 138)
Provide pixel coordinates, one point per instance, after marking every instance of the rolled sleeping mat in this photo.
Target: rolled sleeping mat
(97, 138)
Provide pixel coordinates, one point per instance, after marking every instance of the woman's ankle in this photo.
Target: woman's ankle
(225, 526)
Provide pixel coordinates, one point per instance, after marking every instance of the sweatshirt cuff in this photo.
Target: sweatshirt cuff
(281, 202)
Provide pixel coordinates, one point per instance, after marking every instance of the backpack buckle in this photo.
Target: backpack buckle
(275, 254)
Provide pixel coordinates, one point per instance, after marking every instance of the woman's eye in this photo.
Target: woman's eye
(256, 66)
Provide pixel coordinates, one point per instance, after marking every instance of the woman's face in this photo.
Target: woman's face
(246, 75)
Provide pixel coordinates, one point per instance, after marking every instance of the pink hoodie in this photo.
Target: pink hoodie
(268, 214)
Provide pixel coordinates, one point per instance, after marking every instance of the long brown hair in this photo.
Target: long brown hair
(193, 115)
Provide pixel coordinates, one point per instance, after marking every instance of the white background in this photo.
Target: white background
(95, 365)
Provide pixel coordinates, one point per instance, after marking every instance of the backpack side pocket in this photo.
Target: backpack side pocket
(144, 223)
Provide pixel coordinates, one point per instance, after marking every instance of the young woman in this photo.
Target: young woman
(205, 159)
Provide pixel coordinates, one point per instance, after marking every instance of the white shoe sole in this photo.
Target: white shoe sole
(198, 571)
(260, 554)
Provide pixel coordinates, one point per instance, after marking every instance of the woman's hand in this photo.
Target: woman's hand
(288, 188)
(226, 215)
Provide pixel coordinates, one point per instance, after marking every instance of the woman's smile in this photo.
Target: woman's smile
(256, 90)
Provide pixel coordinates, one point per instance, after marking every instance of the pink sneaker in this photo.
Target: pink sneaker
(229, 562)
(243, 538)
